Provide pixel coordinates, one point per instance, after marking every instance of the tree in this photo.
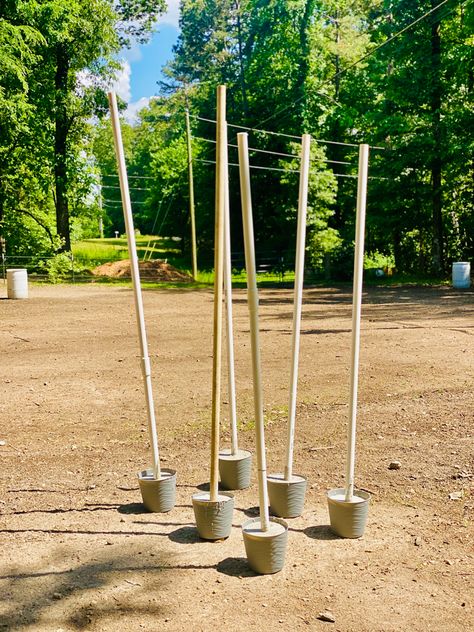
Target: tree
(262, 51)
(424, 94)
(18, 46)
(80, 38)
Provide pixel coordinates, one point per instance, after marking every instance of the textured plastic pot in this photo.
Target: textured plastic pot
(17, 283)
(158, 495)
(265, 549)
(213, 518)
(235, 469)
(348, 518)
(286, 497)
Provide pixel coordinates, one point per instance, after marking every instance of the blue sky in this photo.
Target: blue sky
(142, 64)
(146, 71)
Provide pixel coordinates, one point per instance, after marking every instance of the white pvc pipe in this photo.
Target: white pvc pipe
(252, 298)
(297, 300)
(229, 318)
(356, 310)
(132, 249)
(221, 172)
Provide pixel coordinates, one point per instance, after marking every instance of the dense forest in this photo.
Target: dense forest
(396, 74)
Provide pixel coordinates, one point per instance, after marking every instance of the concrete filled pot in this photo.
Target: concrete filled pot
(286, 497)
(235, 469)
(265, 549)
(158, 495)
(348, 517)
(213, 518)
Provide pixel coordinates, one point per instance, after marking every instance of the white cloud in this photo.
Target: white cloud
(131, 113)
(172, 14)
(121, 85)
(132, 54)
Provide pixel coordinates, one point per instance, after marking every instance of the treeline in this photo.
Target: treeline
(346, 71)
(56, 58)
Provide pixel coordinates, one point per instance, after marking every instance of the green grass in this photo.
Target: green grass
(93, 252)
(90, 253)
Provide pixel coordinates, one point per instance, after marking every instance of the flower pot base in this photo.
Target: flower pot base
(213, 518)
(158, 495)
(235, 469)
(348, 517)
(265, 549)
(286, 497)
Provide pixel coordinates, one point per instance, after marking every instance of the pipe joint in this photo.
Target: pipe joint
(146, 367)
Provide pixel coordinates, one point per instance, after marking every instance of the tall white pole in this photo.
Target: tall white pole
(132, 249)
(356, 310)
(297, 300)
(252, 298)
(221, 164)
(229, 318)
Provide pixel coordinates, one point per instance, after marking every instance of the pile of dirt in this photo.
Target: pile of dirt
(155, 270)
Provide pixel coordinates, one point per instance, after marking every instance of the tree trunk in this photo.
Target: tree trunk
(437, 250)
(60, 148)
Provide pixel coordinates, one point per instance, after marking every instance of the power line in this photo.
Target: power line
(271, 133)
(358, 61)
(262, 131)
(118, 202)
(109, 186)
(234, 164)
(114, 175)
(275, 153)
(266, 131)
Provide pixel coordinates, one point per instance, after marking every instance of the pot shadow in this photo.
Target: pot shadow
(235, 567)
(133, 508)
(250, 512)
(185, 535)
(138, 509)
(319, 532)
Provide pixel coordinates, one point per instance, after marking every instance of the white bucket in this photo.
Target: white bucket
(17, 283)
(462, 275)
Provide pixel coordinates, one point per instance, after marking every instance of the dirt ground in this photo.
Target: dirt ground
(77, 549)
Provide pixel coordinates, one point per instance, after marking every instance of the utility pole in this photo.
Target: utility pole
(191, 196)
(101, 215)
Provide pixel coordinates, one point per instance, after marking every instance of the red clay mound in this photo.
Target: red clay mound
(155, 270)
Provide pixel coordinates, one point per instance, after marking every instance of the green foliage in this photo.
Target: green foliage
(322, 245)
(56, 61)
(378, 261)
(58, 267)
(289, 67)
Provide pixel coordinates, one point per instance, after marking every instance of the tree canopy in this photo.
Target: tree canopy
(395, 74)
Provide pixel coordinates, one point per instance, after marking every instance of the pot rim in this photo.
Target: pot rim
(366, 496)
(144, 475)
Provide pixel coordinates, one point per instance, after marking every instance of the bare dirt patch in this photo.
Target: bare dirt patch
(154, 270)
(78, 552)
